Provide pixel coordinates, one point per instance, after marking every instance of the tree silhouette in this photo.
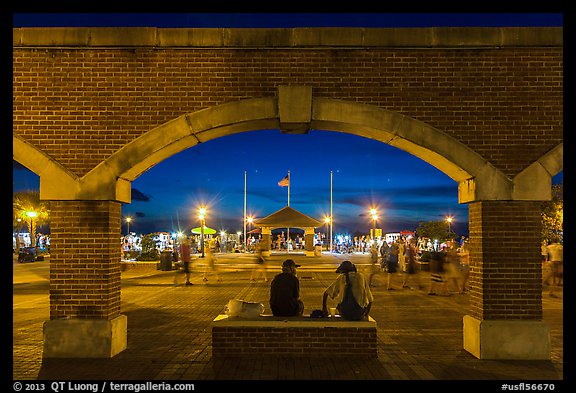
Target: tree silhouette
(433, 230)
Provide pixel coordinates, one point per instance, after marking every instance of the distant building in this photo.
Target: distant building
(392, 237)
(163, 240)
(23, 237)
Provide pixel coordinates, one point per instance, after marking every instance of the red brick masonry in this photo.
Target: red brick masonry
(295, 336)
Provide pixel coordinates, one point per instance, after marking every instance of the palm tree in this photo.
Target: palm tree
(28, 207)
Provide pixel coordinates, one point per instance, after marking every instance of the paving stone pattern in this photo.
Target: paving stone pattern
(169, 336)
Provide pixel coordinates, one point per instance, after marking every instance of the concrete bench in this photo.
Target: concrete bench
(268, 335)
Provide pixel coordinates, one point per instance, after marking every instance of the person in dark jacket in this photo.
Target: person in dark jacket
(437, 259)
(185, 253)
(285, 292)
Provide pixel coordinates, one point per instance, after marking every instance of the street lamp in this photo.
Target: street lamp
(128, 219)
(32, 214)
(249, 221)
(327, 221)
(374, 214)
(449, 220)
(201, 216)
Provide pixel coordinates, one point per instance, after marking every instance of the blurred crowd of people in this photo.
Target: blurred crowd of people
(552, 266)
(448, 265)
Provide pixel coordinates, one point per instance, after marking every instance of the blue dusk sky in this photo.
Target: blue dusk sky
(405, 189)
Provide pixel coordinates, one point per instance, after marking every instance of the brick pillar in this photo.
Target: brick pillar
(265, 241)
(505, 282)
(85, 319)
(309, 238)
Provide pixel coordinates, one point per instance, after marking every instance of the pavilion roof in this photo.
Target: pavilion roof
(288, 218)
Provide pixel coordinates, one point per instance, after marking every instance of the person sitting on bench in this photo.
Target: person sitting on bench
(285, 292)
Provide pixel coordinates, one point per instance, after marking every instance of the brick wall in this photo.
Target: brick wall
(505, 265)
(80, 105)
(85, 259)
(294, 341)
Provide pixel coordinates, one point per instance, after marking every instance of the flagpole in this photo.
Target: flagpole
(288, 229)
(331, 214)
(289, 188)
(245, 240)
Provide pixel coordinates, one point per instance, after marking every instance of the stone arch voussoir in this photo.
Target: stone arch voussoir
(477, 178)
(429, 144)
(53, 176)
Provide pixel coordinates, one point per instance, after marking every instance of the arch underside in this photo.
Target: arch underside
(431, 145)
(111, 179)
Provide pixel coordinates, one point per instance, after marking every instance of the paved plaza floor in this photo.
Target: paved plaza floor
(169, 338)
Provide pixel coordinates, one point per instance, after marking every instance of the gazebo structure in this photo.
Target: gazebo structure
(288, 218)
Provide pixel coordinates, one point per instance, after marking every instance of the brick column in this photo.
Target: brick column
(265, 241)
(505, 282)
(309, 246)
(85, 319)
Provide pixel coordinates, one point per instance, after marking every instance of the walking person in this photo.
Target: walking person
(375, 267)
(353, 283)
(544, 252)
(465, 265)
(411, 272)
(210, 267)
(260, 265)
(452, 269)
(391, 253)
(436, 271)
(546, 265)
(401, 244)
(389, 268)
(285, 292)
(186, 256)
(556, 259)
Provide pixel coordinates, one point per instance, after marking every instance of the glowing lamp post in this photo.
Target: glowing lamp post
(249, 221)
(374, 214)
(449, 220)
(326, 222)
(32, 215)
(128, 219)
(201, 216)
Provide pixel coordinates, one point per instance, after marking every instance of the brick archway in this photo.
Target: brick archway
(482, 105)
(450, 156)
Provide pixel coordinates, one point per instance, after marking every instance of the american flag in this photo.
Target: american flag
(285, 182)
